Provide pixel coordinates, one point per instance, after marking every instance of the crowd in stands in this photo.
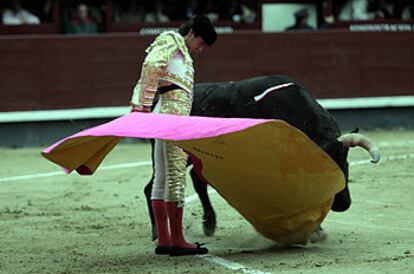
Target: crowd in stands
(87, 16)
(14, 12)
(81, 21)
(351, 10)
(356, 10)
(240, 11)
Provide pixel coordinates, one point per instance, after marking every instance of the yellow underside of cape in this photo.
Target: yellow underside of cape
(274, 175)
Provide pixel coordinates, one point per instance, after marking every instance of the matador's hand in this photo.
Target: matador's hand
(141, 108)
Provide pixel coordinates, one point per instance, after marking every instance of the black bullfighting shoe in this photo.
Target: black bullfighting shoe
(183, 251)
(163, 250)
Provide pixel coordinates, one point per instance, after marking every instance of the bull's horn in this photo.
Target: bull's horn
(356, 139)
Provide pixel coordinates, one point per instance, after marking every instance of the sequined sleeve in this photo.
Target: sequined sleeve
(159, 54)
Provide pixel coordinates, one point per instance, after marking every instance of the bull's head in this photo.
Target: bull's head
(338, 150)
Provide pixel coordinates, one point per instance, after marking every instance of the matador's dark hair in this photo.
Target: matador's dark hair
(201, 26)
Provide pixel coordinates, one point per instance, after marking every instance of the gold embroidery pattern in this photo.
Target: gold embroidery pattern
(160, 53)
(148, 84)
(161, 50)
(176, 102)
(185, 84)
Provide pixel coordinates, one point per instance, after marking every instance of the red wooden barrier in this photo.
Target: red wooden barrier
(59, 72)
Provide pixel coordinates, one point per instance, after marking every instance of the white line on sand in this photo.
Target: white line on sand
(230, 265)
(59, 173)
(370, 225)
(396, 144)
(384, 159)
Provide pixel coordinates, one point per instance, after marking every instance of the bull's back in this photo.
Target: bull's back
(213, 99)
(293, 104)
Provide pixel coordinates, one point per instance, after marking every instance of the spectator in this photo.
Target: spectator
(248, 11)
(356, 10)
(155, 12)
(301, 21)
(16, 15)
(185, 9)
(231, 10)
(47, 11)
(192, 9)
(328, 22)
(380, 9)
(129, 11)
(239, 11)
(82, 23)
(211, 11)
(408, 11)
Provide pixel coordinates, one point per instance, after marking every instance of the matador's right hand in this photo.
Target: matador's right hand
(140, 108)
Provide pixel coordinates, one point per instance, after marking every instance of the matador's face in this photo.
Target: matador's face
(195, 44)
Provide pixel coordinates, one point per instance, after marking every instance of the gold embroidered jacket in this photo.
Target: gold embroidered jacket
(167, 62)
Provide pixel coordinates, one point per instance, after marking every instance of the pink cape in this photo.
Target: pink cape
(272, 173)
(84, 151)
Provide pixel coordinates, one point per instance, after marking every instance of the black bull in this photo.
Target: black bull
(291, 103)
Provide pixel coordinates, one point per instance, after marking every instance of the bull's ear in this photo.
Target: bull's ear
(355, 130)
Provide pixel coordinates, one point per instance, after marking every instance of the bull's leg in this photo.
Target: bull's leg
(209, 217)
(147, 192)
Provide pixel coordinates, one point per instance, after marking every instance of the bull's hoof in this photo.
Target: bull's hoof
(318, 236)
(209, 225)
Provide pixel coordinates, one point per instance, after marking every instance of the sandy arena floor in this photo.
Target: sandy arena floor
(56, 223)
